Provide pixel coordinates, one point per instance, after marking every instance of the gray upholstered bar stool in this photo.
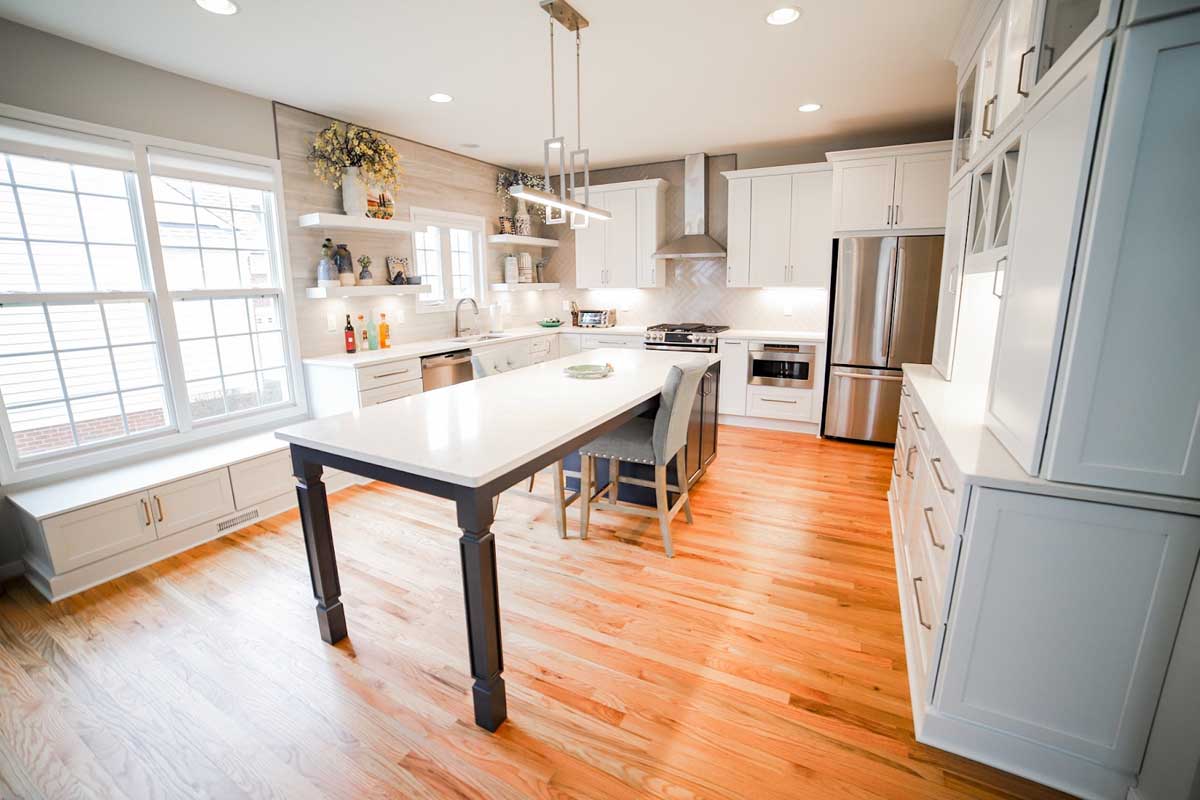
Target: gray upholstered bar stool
(485, 364)
(647, 441)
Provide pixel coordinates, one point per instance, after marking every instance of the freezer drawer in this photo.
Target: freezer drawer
(863, 403)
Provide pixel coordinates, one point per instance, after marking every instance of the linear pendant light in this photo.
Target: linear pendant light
(564, 14)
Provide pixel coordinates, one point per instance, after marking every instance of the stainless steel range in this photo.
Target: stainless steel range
(684, 337)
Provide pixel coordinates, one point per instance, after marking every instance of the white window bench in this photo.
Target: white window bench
(90, 529)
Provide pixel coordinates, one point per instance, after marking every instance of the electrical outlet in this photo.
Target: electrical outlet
(331, 321)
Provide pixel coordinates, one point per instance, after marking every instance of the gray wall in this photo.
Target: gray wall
(58, 76)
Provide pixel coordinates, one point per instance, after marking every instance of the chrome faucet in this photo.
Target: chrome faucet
(471, 300)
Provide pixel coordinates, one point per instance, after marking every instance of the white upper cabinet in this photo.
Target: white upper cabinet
(1067, 29)
(619, 253)
(953, 252)
(780, 226)
(898, 189)
(1056, 153)
(863, 193)
(1128, 394)
(1016, 54)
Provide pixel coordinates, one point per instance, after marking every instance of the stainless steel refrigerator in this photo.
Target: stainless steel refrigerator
(883, 315)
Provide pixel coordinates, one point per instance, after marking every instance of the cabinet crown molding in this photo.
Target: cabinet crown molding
(789, 169)
(893, 150)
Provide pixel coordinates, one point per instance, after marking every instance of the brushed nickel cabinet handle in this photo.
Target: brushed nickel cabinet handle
(908, 461)
(1021, 72)
(146, 511)
(917, 597)
(937, 473)
(904, 390)
(776, 400)
(929, 527)
(158, 502)
(917, 422)
(896, 215)
(996, 275)
(900, 422)
(988, 127)
(889, 214)
(390, 374)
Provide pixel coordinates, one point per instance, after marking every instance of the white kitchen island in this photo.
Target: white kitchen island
(467, 443)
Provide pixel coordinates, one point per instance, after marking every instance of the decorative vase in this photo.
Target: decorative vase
(345, 265)
(511, 275)
(354, 193)
(506, 225)
(365, 278)
(525, 268)
(326, 273)
(521, 222)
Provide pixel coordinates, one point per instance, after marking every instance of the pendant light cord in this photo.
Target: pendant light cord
(553, 109)
(578, 97)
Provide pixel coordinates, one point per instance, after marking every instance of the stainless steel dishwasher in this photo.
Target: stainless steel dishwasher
(445, 369)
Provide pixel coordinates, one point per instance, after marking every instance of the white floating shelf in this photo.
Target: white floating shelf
(524, 287)
(521, 241)
(324, 292)
(320, 219)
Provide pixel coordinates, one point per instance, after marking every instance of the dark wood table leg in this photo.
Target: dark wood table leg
(477, 549)
(318, 542)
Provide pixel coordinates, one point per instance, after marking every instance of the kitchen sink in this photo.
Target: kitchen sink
(484, 337)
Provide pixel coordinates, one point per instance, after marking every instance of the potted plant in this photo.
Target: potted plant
(355, 159)
(365, 278)
(522, 223)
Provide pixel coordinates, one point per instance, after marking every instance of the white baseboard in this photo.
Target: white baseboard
(739, 421)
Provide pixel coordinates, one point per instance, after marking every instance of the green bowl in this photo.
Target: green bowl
(545, 324)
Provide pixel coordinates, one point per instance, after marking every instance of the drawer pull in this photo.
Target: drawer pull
(895, 469)
(900, 422)
(158, 503)
(777, 400)
(146, 511)
(917, 422)
(904, 390)
(937, 473)
(929, 527)
(908, 461)
(390, 374)
(917, 596)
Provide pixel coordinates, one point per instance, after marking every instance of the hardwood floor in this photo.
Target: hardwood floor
(765, 660)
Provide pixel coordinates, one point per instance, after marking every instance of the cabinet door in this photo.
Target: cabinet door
(80, 537)
(734, 366)
(811, 251)
(770, 230)
(921, 185)
(1129, 386)
(710, 396)
(262, 478)
(568, 344)
(1056, 154)
(1016, 59)
(958, 206)
(589, 249)
(183, 504)
(383, 394)
(1067, 30)
(1049, 590)
(651, 217)
(988, 97)
(737, 260)
(620, 239)
(964, 120)
(862, 194)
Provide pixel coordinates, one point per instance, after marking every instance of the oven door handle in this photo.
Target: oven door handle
(678, 348)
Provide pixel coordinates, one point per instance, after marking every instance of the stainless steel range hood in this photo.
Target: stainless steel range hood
(695, 242)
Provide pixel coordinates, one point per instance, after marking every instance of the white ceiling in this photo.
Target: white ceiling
(660, 77)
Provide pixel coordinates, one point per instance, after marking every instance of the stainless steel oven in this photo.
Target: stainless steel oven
(789, 365)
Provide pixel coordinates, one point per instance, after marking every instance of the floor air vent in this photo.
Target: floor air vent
(240, 519)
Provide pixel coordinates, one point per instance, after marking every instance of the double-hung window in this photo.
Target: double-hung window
(141, 296)
(448, 253)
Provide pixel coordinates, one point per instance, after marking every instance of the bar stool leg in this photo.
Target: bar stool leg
(560, 500)
(681, 476)
(585, 494)
(664, 519)
(614, 475)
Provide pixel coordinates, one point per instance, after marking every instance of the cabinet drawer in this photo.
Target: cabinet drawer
(388, 373)
(80, 537)
(539, 346)
(923, 602)
(779, 403)
(933, 531)
(594, 341)
(261, 478)
(182, 504)
(383, 394)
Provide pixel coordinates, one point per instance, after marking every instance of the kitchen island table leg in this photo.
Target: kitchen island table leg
(318, 544)
(481, 592)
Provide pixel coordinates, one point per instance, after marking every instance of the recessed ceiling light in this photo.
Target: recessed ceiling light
(810, 107)
(784, 15)
(440, 97)
(222, 7)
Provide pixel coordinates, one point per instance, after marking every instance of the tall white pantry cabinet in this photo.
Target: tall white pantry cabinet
(1046, 500)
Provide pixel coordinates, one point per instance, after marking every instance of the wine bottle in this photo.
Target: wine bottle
(351, 342)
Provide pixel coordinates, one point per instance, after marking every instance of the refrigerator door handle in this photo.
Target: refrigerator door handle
(889, 313)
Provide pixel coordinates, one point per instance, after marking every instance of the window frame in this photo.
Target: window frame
(445, 220)
(181, 430)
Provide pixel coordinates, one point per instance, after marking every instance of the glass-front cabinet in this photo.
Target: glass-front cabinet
(964, 134)
(1063, 23)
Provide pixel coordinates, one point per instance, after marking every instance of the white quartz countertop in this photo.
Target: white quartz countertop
(471, 433)
(957, 411)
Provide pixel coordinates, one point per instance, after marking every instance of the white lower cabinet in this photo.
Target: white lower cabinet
(383, 394)
(568, 344)
(182, 504)
(259, 479)
(78, 538)
(596, 341)
(777, 402)
(1064, 619)
(734, 368)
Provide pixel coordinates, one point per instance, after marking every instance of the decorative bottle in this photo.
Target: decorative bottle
(351, 342)
(385, 332)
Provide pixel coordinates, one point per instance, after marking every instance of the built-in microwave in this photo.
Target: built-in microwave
(789, 365)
